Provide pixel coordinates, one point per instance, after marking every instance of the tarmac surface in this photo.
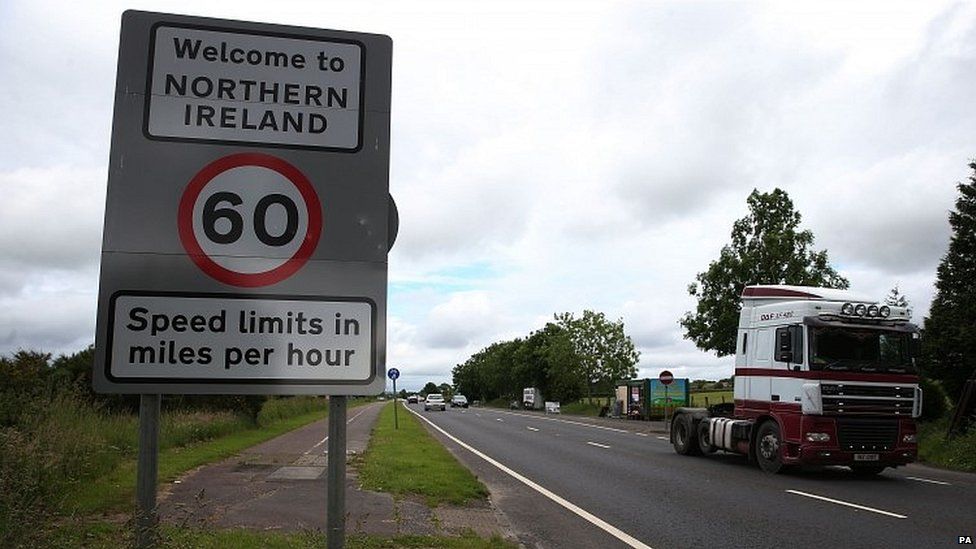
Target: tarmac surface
(566, 481)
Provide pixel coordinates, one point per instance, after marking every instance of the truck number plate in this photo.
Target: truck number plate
(865, 457)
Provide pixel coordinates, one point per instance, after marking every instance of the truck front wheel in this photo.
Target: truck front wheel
(683, 436)
(769, 447)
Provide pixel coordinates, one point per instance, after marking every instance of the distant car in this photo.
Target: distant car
(412, 399)
(459, 401)
(433, 402)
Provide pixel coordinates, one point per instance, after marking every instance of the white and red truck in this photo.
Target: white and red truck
(822, 377)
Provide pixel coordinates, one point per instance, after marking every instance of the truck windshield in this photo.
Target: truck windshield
(850, 349)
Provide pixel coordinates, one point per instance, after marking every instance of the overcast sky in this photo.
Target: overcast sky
(547, 157)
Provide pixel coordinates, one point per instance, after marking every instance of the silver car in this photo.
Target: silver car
(434, 402)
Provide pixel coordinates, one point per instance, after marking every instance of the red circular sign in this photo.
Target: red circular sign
(666, 377)
(228, 206)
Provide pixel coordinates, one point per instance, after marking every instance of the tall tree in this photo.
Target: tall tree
(605, 352)
(767, 248)
(949, 341)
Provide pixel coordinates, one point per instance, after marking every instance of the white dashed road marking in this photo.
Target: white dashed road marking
(847, 504)
(930, 481)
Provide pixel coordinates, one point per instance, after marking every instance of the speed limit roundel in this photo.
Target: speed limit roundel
(249, 219)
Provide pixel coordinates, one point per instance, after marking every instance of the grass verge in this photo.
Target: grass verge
(409, 461)
(958, 453)
(116, 491)
(581, 408)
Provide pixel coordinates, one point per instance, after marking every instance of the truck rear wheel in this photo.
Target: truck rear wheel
(768, 448)
(704, 442)
(683, 436)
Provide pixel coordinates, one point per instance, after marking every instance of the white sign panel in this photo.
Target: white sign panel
(215, 338)
(224, 86)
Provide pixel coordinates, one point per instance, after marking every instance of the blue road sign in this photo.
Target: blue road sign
(393, 373)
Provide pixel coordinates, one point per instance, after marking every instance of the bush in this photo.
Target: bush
(958, 453)
(934, 401)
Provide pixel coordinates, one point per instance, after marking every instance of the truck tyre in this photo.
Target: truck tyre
(866, 470)
(683, 436)
(769, 447)
(704, 444)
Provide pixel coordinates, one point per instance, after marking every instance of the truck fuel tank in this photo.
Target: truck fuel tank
(728, 434)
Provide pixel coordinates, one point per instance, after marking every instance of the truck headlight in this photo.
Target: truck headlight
(818, 437)
(861, 309)
(910, 438)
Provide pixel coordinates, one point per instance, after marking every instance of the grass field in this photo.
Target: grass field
(714, 397)
(409, 461)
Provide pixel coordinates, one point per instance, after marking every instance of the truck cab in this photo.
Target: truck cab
(822, 376)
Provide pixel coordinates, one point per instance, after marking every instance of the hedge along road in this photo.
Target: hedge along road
(639, 487)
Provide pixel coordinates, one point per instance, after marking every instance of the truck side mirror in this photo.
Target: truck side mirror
(784, 345)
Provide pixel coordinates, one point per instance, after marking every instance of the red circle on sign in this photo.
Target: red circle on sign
(184, 220)
(666, 377)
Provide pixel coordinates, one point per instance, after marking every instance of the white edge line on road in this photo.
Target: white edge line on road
(597, 444)
(642, 434)
(586, 515)
(847, 504)
(532, 428)
(321, 442)
(498, 419)
(663, 438)
(930, 481)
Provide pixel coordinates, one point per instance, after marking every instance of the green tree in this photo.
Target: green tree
(604, 351)
(430, 388)
(767, 248)
(949, 341)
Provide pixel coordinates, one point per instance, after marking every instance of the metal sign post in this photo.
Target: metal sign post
(393, 374)
(147, 468)
(666, 378)
(335, 516)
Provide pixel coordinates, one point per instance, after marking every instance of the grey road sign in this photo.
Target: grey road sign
(248, 215)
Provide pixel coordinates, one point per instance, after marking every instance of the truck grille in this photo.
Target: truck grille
(867, 400)
(867, 435)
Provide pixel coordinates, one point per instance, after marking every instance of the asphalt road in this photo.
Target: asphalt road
(600, 487)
